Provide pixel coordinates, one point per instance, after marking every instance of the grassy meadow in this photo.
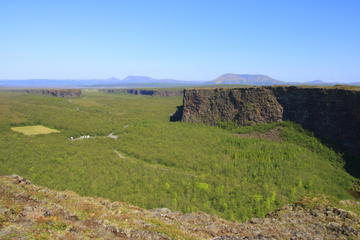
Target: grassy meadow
(156, 163)
(34, 130)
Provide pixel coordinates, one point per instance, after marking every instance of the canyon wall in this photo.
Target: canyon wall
(51, 92)
(333, 114)
(151, 92)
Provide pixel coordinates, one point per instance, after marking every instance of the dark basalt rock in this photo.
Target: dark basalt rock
(177, 115)
(243, 106)
(333, 114)
(52, 92)
(150, 92)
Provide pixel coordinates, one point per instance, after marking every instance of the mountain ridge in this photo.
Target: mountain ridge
(146, 81)
(246, 79)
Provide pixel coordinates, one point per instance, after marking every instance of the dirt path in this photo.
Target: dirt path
(111, 135)
(119, 154)
(156, 166)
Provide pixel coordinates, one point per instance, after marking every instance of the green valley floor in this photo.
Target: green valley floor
(234, 173)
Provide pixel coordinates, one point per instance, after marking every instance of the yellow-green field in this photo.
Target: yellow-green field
(155, 163)
(34, 130)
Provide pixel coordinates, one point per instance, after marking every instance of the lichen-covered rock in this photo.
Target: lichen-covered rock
(31, 212)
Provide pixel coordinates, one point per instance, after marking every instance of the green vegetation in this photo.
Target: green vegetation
(156, 163)
(34, 130)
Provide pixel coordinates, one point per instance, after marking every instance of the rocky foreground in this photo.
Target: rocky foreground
(28, 211)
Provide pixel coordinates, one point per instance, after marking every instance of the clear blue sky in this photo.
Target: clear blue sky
(189, 40)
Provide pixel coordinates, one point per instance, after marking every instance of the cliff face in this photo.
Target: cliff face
(151, 92)
(243, 106)
(332, 114)
(52, 92)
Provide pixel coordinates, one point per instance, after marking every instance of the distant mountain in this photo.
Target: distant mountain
(50, 83)
(138, 79)
(56, 83)
(319, 83)
(130, 81)
(148, 80)
(355, 83)
(315, 82)
(247, 79)
(145, 81)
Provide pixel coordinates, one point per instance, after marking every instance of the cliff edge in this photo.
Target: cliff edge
(50, 92)
(333, 114)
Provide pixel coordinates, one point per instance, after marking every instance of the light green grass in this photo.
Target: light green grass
(34, 130)
(181, 166)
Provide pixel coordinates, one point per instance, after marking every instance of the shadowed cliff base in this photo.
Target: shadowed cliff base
(178, 114)
(352, 165)
(332, 114)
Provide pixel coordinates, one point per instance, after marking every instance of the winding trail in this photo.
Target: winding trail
(156, 166)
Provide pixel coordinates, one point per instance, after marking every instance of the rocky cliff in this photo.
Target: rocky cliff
(51, 92)
(151, 92)
(333, 114)
(28, 211)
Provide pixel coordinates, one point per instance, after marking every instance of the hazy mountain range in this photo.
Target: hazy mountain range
(144, 81)
(246, 79)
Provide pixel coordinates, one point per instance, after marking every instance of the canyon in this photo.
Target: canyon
(151, 92)
(332, 114)
(49, 92)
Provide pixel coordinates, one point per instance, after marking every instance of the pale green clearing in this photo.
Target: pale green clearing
(34, 130)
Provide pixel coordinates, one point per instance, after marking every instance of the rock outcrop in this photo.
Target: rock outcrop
(151, 92)
(28, 211)
(245, 106)
(51, 92)
(333, 114)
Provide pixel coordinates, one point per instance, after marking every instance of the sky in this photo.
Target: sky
(181, 39)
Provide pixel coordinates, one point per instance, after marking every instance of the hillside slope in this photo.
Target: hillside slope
(31, 212)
